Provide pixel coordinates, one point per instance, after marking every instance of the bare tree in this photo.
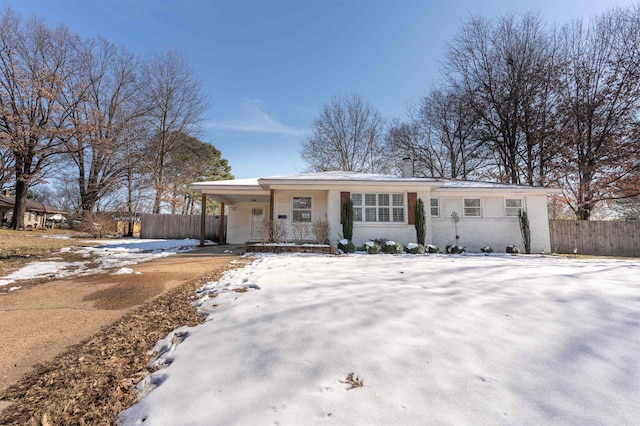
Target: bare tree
(174, 96)
(502, 68)
(440, 137)
(106, 94)
(347, 135)
(33, 71)
(600, 97)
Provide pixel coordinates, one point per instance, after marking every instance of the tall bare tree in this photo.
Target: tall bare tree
(347, 135)
(34, 69)
(600, 98)
(177, 103)
(106, 93)
(503, 68)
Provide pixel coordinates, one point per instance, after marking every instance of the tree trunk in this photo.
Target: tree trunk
(20, 206)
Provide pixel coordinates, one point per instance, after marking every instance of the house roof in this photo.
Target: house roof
(32, 206)
(257, 189)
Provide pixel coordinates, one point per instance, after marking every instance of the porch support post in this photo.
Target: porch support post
(271, 201)
(203, 215)
(221, 228)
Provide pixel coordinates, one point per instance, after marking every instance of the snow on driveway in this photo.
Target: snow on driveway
(107, 254)
(434, 340)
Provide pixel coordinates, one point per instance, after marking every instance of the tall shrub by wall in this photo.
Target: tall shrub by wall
(347, 219)
(421, 225)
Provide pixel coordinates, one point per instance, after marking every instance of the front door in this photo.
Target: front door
(257, 216)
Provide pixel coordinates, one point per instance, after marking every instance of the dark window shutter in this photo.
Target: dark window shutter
(412, 198)
(343, 198)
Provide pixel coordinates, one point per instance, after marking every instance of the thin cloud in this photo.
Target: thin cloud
(256, 120)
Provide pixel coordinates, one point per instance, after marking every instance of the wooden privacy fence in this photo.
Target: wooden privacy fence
(176, 226)
(602, 238)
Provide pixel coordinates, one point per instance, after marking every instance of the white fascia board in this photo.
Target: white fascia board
(225, 186)
(496, 190)
(348, 184)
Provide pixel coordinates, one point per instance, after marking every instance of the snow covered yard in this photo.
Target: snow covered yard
(434, 340)
(105, 255)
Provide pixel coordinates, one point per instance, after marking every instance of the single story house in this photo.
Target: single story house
(35, 216)
(383, 207)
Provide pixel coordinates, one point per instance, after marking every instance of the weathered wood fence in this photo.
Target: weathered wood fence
(602, 238)
(176, 226)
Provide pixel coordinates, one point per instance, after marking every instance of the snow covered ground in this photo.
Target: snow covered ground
(434, 339)
(107, 254)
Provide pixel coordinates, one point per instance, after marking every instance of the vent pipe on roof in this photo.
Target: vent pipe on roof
(407, 167)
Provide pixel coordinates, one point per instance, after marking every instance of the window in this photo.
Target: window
(302, 209)
(435, 207)
(378, 207)
(512, 206)
(357, 207)
(472, 207)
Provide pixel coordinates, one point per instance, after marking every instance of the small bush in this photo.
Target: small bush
(321, 231)
(381, 241)
(413, 248)
(271, 231)
(455, 249)
(346, 246)
(511, 249)
(433, 249)
(361, 248)
(391, 247)
(300, 231)
(486, 249)
(279, 232)
(372, 247)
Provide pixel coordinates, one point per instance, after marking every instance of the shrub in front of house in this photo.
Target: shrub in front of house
(381, 241)
(486, 249)
(413, 248)
(346, 246)
(455, 249)
(432, 249)
(512, 249)
(372, 247)
(321, 231)
(391, 247)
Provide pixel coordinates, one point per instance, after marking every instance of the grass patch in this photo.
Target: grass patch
(17, 248)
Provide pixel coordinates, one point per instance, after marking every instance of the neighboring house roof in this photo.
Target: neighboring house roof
(32, 206)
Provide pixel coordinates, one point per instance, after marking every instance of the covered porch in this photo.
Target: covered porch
(246, 202)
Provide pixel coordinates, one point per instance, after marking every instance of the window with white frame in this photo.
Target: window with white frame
(512, 206)
(302, 209)
(472, 207)
(378, 207)
(435, 207)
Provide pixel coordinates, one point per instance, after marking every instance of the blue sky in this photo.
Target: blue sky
(268, 66)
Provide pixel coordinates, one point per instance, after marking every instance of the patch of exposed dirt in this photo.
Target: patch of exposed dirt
(91, 382)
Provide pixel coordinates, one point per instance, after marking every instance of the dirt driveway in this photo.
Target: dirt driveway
(40, 322)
